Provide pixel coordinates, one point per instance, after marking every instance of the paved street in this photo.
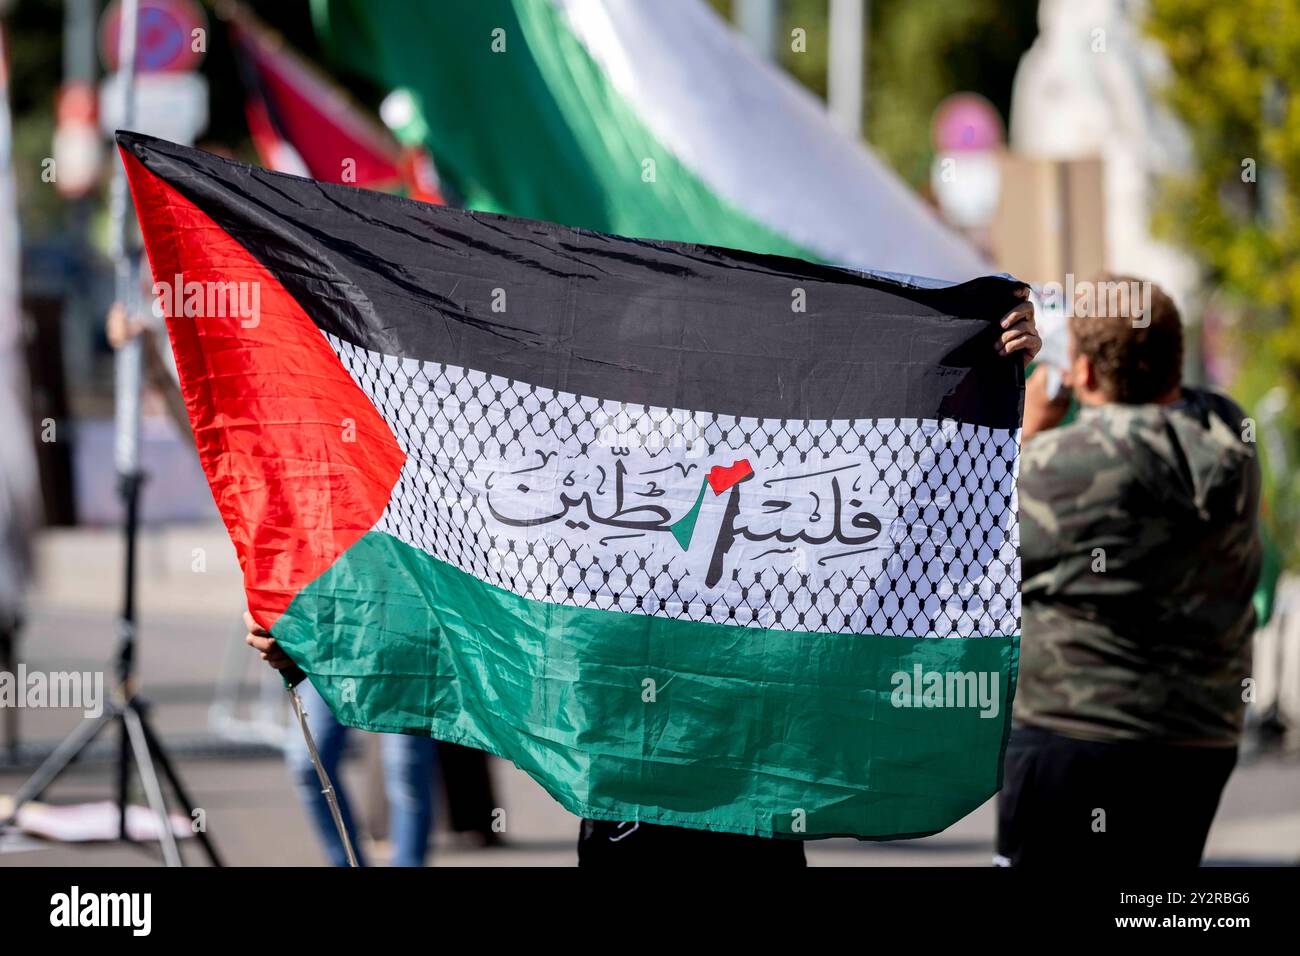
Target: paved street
(190, 631)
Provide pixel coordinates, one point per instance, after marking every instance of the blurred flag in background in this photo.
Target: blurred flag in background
(614, 116)
(302, 123)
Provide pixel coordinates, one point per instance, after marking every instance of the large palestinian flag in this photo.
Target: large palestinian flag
(643, 118)
(693, 536)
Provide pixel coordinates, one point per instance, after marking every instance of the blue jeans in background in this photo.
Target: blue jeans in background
(409, 766)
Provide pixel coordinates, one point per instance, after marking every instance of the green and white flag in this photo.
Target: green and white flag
(647, 118)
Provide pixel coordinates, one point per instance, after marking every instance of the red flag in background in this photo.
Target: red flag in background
(302, 123)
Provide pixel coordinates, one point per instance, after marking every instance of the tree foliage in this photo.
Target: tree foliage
(1235, 73)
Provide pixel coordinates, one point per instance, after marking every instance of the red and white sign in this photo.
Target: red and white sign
(78, 149)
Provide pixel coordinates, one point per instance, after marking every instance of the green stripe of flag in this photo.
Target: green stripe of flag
(751, 730)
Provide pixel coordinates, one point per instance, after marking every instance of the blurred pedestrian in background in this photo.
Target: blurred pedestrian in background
(409, 767)
(1140, 554)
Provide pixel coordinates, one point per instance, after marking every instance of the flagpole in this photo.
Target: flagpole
(294, 676)
(126, 411)
(757, 20)
(848, 24)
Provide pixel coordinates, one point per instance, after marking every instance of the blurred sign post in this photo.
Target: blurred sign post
(170, 96)
(138, 744)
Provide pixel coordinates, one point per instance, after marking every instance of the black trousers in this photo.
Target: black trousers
(467, 784)
(1069, 802)
(645, 845)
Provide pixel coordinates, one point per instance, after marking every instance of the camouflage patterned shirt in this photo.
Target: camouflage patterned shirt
(1140, 551)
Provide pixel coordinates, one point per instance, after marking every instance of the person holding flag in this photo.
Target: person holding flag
(634, 844)
(1140, 552)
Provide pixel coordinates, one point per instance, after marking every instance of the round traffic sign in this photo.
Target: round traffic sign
(165, 36)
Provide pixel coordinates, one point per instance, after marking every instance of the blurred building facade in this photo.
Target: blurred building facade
(1089, 139)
